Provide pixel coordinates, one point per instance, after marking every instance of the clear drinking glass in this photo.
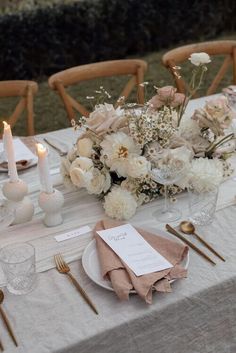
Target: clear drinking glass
(168, 172)
(18, 264)
(202, 206)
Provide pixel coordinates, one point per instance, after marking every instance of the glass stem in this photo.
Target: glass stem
(166, 207)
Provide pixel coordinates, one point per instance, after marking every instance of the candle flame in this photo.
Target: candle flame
(6, 125)
(40, 147)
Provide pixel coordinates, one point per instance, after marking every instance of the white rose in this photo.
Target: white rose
(81, 171)
(138, 167)
(65, 167)
(120, 204)
(198, 59)
(80, 178)
(65, 172)
(72, 154)
(99, 183)
(102, 118)
(83, 163)
(85, 147)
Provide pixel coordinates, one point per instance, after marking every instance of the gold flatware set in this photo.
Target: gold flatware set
(188, 228)
(64, 268)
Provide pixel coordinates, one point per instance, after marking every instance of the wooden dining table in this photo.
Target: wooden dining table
(198, 316)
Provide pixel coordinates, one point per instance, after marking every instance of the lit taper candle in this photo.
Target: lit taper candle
(10, 154)
(43, 167)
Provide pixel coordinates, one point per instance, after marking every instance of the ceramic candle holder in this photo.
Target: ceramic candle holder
(51, 204)
(17, 201)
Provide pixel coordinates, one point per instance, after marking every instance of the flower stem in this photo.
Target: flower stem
(213, 145)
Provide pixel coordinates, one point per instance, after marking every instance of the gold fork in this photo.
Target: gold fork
(63, 267)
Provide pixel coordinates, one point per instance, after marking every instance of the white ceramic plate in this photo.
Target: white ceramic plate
(91, 264)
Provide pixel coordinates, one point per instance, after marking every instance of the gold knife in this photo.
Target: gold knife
(191, 245)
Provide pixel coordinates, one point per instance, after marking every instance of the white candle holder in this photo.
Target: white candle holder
(51, 204)
(16, 201)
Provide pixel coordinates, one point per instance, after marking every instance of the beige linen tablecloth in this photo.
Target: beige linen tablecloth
(199, 316)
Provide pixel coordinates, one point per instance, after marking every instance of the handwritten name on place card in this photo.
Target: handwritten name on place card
(134, 250)
(73, 234)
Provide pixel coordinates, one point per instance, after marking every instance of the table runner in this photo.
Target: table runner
(75, 215)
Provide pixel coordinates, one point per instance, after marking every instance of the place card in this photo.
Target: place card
(134, 250)
(21, 151)
(73, 234)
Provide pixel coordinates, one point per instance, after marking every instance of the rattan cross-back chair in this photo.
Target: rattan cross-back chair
(25, 90)
(226, 48)
(134, 67)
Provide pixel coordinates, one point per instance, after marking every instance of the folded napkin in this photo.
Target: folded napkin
(24, 149)
(123, 278)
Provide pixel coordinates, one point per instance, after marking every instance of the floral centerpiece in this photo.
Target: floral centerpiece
(118, 148)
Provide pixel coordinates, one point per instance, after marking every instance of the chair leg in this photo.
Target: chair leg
(30, 111)
(140, 89)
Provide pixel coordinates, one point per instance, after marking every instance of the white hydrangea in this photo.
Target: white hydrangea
(205, 174)
(120, 204)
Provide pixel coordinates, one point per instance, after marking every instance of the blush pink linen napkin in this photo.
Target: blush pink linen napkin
(123, 278)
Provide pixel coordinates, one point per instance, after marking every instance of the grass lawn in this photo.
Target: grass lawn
(49, 111)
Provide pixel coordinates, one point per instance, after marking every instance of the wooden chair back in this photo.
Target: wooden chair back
(134, 67)
(25, 90)
(174, 57)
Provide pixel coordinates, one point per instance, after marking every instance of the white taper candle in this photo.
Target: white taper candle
(43, 167)
(10, 154)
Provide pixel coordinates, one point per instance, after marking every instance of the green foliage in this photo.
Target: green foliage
(48, 39)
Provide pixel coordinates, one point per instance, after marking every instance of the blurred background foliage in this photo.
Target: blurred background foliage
(14, 6)
(36, 43)
(41, 37)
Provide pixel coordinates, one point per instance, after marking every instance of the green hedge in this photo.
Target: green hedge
(41, 42)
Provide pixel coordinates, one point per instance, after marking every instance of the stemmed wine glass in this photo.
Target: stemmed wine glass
(168, 170)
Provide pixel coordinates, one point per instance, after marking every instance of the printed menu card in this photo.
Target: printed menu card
(134, 250)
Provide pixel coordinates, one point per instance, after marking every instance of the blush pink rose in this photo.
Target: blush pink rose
(216, 115)
(166, 96)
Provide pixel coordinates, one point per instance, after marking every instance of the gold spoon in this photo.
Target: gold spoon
(5, 319)
(188, 228)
